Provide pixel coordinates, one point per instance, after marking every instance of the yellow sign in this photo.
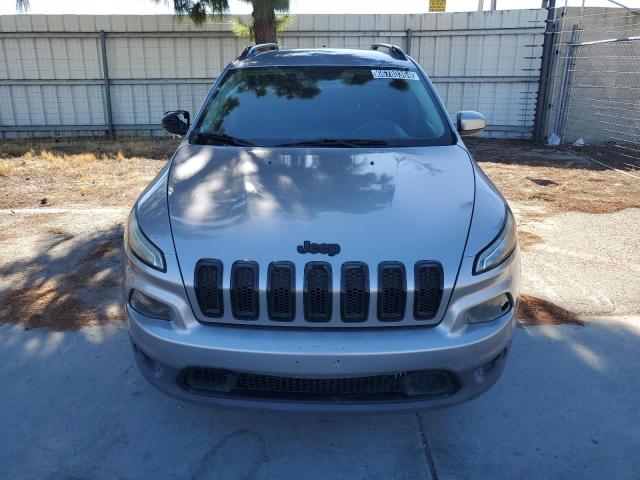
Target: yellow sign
(437, 5)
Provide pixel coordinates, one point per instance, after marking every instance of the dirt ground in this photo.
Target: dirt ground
(552, 180)
(63, 204)
(63, 173)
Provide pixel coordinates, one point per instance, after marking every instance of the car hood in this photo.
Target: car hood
(378, 204)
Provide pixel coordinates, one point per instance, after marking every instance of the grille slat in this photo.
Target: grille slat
(244, 290)
(428, 289)
(281, 286)
(317, 292)
(208, 286)
(354, 296)
(392, 291)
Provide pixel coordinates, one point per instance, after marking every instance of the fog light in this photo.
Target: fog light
(489, 310)
(427, 383)
(149, 307)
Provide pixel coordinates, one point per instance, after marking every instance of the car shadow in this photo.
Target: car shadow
(74, 281)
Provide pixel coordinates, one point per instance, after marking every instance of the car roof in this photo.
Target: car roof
(323, 57)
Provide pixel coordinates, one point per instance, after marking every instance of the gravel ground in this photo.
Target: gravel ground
(589, 264)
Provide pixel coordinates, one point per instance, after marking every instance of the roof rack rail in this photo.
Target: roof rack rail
(394, 50)
(254, 50)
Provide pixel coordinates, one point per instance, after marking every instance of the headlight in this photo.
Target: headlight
(148, 306)
(500, 248)
(141, 246)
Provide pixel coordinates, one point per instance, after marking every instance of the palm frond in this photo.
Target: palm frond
(283, 21)
(245, 30)
(242, 29)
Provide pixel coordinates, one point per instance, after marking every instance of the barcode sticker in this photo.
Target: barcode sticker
(403, 74)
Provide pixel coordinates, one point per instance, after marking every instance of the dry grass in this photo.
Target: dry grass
(80, 158)
(45, 306)
(101, 251)
(555, 179)
(6, 168)
(29, 154)
(534, 311)
(156, 148)
(81, 171)
(528, 239)
(71, 300)
(88, 190)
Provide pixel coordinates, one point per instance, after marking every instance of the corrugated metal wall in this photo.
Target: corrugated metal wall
(52, 72)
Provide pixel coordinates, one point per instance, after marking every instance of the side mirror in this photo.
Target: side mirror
(470, 123)
(172, 122)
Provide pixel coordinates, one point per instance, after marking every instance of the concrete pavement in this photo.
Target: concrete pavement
(73, 405)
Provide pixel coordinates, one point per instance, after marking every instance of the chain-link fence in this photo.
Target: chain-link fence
(596, 83)
(604, 95)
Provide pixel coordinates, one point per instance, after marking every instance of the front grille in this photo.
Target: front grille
(423, 384)
(317, 292)
(392, 291)
(428, 290)
(354, 297)
(244, 290)
(208, 285)
(281, 289)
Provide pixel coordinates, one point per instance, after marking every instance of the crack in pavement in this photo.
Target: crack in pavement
(427, 450)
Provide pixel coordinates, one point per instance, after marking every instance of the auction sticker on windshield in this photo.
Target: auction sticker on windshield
(403, 74)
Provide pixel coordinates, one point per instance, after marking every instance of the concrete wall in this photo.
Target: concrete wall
(52, 71)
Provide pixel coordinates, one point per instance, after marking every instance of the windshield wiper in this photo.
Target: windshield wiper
(221, 139)
(335, 142)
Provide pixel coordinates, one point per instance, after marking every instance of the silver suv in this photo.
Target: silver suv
(322, 240)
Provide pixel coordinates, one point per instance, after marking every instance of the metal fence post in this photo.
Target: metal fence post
(542, 107)
(107, 86)
(566, 82)
(408, 39)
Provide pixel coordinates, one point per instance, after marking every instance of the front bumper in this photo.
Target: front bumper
(477, 364)
(474, 354)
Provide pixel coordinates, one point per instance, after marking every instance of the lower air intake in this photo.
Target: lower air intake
(244, 290)
(424, 384)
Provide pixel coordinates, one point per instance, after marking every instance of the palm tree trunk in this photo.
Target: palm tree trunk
(264, 21)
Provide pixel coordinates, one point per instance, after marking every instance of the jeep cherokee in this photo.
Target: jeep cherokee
(322, 239)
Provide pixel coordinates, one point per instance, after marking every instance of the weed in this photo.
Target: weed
(6, 169)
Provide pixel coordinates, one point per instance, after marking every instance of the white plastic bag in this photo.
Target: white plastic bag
(553, 140)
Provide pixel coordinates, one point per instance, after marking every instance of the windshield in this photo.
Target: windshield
(326, 106)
